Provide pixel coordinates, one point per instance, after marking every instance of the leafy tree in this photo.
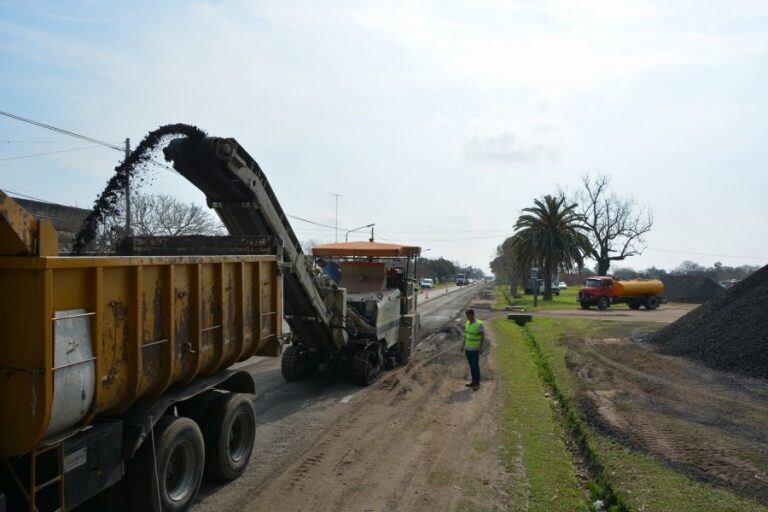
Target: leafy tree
(508, 266)
(552, 236)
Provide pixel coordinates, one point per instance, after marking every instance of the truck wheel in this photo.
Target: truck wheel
(366, 366)
(180, 457)
(651, 302)
(634, 305)
(602, 303)
(584, 305)
(296, 363)
(229, 434)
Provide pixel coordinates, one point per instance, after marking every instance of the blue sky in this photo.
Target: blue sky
(439, 121)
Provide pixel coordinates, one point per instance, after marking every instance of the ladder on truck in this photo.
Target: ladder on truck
(238, 190)
(34, 488)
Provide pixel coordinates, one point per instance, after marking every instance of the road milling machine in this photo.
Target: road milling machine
(121, 368)
(367, 321)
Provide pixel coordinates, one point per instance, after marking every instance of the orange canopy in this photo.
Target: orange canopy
(366, 249)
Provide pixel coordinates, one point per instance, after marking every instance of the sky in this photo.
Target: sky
(438, 120)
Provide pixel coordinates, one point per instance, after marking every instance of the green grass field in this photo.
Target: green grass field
(534, 448)
(566, 299)
(639, 479)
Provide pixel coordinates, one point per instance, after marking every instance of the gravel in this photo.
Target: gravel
(729, 332)
(694, 289)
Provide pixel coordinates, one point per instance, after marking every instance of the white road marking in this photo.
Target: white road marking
(346, 399)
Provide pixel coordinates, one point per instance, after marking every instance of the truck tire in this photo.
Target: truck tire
(603, 303)
(651, 302)
(180, 456)
(584, 305)
(296, 363)
(229, 435)
(366, 366)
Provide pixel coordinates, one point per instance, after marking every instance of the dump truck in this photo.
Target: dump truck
(602, 291)
(117, 368)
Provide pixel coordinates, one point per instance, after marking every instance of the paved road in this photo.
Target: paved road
(291, 416)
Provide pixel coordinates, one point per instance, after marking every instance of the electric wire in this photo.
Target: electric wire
(60, 130)
(46, 153)
(66, 168)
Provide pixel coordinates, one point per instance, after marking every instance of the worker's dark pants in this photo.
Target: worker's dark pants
(473, 358)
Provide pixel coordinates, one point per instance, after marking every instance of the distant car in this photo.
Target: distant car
(426, 283)
(562, 285)
(555, 288)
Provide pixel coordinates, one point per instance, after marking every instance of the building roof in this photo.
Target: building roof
(366, 249)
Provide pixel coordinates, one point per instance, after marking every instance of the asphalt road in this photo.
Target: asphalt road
(292, 415)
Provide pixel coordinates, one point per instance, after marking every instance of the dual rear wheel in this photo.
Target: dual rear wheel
(219, 447)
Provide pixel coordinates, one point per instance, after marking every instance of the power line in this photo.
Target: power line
(66, 168)
(77, 135)
(60, 130)
(26, 196)
(37, 142)
(46, 153)
(708, 254)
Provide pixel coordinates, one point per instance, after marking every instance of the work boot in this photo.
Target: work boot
(469, 384)
(475, 386)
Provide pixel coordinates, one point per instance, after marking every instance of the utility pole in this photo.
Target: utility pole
(127, 192)
(336, 225)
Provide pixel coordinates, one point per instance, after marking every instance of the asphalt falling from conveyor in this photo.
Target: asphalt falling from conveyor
(106, 203)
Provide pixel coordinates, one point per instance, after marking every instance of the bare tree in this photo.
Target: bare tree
(156, 215)
(616, 224)
(164, 215)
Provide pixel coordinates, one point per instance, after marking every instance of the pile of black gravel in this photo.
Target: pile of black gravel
(695, 289)
(729, 332)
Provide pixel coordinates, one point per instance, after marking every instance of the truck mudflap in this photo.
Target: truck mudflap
(141, 418)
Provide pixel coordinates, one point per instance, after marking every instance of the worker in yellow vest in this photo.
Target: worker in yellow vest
(474, 338)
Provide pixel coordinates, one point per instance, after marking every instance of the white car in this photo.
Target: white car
(562, 285)
(426, 283)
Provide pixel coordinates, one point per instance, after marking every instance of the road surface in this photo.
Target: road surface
(293, 416)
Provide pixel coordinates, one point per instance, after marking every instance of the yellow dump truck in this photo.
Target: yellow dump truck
(117, 367)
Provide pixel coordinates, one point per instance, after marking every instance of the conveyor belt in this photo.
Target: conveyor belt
(237, 189)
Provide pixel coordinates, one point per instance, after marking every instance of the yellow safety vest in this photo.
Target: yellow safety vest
(473, 338)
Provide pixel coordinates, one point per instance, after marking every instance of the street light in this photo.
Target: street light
(346, 235)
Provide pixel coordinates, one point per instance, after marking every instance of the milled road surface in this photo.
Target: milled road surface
(302, 426)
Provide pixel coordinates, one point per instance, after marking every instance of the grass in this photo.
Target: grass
(532, 435)
(643, 482)
(566, 299)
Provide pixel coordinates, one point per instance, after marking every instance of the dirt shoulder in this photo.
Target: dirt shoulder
(673, 434)
(666, 314)
(418, 440)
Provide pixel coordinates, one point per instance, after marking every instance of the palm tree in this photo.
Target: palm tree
(550, 235)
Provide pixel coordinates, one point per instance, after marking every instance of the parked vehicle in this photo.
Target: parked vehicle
(426, 283)
(562, 285)
(461, 279)
(602, 291)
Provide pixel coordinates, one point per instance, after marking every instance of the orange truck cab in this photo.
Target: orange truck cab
(602, 291)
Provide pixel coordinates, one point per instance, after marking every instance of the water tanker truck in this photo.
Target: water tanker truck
(602, 291)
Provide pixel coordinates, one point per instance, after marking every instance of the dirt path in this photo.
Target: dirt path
(419, 440)
(710, 425)
(667, 313)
